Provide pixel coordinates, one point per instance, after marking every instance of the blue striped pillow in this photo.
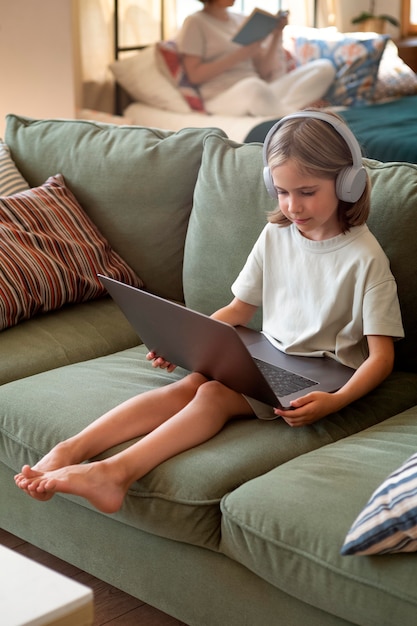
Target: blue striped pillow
(51, 253)
(388, 523)
(11, 180)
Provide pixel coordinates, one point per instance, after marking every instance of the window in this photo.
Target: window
(409, 18)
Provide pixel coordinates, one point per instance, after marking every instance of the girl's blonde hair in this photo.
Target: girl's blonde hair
(318, 150)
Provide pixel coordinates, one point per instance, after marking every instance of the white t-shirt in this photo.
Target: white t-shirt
(209, 38)
(321, 297)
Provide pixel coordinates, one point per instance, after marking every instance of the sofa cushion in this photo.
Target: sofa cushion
(74, 333)
(388, 523)
(288, 527)
(141, 77)
(51, 253)
(393, 209)
(230, 206)
(11, 180)
(229, 212)
(180, 499)
(112, 172)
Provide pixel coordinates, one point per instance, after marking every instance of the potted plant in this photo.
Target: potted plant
(370, 22)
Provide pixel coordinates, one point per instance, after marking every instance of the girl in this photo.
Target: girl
(325, 287)
(246, 80)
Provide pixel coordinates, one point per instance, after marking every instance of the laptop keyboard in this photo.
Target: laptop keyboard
(282, 381)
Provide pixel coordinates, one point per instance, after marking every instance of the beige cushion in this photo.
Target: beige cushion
(140, 77)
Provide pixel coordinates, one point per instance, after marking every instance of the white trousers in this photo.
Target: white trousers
(292, 92)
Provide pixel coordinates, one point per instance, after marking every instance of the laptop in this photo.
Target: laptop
(241, 358)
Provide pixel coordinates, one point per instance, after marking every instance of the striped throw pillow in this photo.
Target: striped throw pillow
(388, 523)
(50, 253)
(11, 180)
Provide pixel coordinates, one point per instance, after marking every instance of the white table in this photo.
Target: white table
(34, 595)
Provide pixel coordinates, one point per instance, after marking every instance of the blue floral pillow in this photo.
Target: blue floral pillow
(356, 59)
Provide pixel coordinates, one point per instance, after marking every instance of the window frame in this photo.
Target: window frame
(408, 29)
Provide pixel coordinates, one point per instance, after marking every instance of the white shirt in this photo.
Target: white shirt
(321, 297)
(209, 38)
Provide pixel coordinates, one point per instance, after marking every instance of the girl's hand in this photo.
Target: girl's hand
(310, 408)
(158, 361)
(370, 374)
(283, 21)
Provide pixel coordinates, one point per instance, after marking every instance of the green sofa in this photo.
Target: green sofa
(247, 528)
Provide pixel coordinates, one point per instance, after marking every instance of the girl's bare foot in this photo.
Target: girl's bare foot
(23, 480)
(96, 482)
(62, 455)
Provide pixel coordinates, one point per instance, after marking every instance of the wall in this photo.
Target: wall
(38, 59)
(347, 10)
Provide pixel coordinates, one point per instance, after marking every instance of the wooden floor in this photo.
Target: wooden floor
(112, 607)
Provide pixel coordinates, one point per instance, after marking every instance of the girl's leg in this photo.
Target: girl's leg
(105, 483)
(303, 86)
(134, 417)
(290, 93)
(250, 96)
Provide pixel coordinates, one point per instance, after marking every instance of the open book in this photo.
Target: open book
(258, 25)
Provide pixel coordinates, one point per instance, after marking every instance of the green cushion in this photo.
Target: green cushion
(392, 220)
(229, 211)
(74, 333)
(292, 533)
(135, 183)
(180, 499)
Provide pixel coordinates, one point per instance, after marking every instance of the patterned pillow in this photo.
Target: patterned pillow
(395, 78)
(388, 523)
(290, 62)
(170, 64)
(50, 253)
(356, 58)
(11, 180)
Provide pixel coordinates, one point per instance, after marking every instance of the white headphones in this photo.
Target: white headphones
(350, 182)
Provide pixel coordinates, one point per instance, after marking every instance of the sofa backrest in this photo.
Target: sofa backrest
(230, 205)
(392, 220)
(135, 183)
(138, 185)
